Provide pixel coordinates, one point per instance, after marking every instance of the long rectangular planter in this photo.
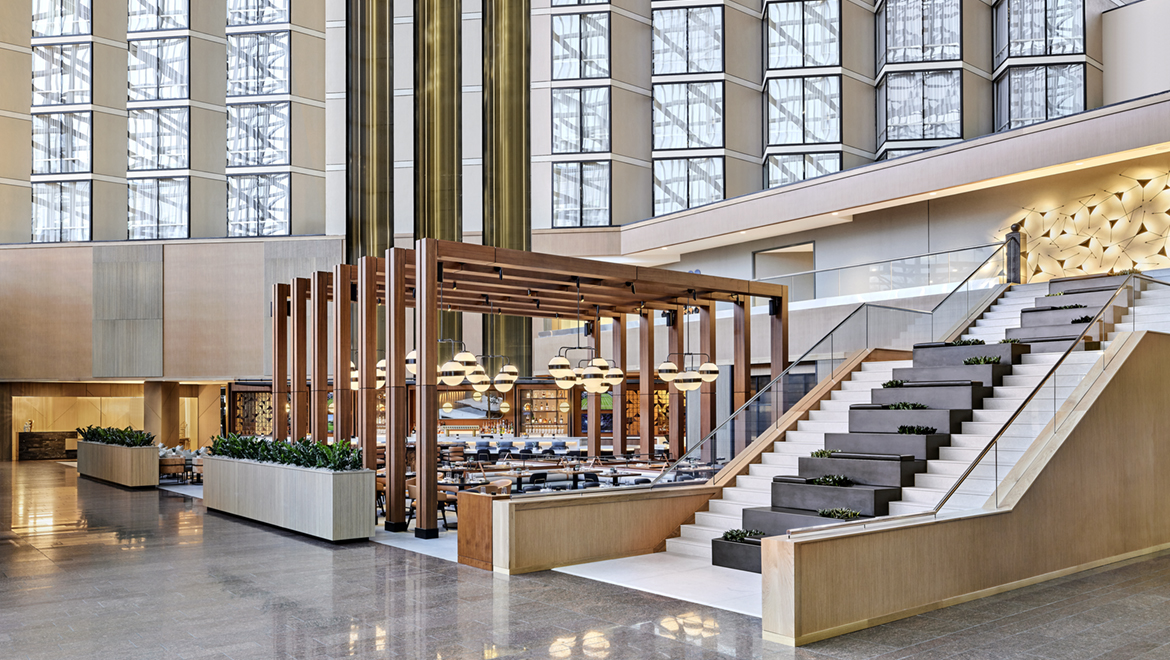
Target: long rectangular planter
(335, 506)
(938, 355)
(922, 447)
(870, 472)
(888, 421)
(941, 396)
(133, 467)
(990, 375)
(732, 554)
(776, 520)
(866, 500)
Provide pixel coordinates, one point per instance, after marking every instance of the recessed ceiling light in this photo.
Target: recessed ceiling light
(743, 232)
(663, 248)
(834, 213)
(933, 194)
(1079, 164)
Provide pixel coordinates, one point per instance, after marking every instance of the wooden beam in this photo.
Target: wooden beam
(674, 346)
(618, 329)
(646, 368)
(343, 275)
(280, 296)
(319, 362)
(299, 389)
(707, 344)
(367, 335)
(426, 397)
(397, 396)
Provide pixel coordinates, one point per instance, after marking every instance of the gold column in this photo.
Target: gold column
(507, 158)
(438, 131)
(370, 130)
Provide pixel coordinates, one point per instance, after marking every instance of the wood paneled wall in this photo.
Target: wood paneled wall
(1089, 493)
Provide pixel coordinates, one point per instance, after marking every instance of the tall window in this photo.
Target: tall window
(804, 110)
(1030, 94)
(803, 33)
(580, 46)
(158, 208)
(258, 205)
(920, 105)
(918, 31)
(62, 75)
(683, 183)
(61, 211)
(688, 40)
(61, 142)
(567, 3)
(581, 194)
(1038, 27)
(159, 139)
(257, 12)
(790, 168)
(258, 64)
(157, 15)
(158, 69)
(688, 115)
(580, 120)
(258, 134)
(58, 18)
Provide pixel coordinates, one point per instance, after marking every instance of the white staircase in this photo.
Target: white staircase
(755, 488)
(1005, 313)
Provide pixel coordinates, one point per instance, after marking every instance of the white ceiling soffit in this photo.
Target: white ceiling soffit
(1105, 135)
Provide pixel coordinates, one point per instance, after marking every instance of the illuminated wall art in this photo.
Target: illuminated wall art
(1110, 230)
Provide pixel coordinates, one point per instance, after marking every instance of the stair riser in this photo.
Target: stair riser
(956, 397)
(922, 447)
(988, 374)
(867, 501)
(888, 421)
(953, 356)
(869, 472)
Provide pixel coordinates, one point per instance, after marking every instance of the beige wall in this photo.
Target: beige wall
(1135, 50)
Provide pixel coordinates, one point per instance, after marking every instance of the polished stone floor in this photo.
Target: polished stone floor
(94, 571)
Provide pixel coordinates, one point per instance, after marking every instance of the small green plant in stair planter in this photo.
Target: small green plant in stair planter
(1009, 341)
(1127, 271)
(824, 453)
(738, 549)
(967, 342)
(1053, 295)
(893, 383)
(839, 480)
(839, 514)
(1082, 319)
(907, 405)
(1078, 306)
(738, 535)
(982, 359)
(907, 429)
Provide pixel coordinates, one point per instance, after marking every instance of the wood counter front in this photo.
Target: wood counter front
(475, 528)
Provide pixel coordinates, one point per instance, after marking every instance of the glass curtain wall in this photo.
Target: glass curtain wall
(919, 105)
(62, 139)
(259, 121)
(1028, 95)
(918, 31)
(803, 33)
(687, 40)
(683, 183)
(581, 119)
(1030, 28)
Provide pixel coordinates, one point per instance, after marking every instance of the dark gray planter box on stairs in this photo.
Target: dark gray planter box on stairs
(881, 420)
(866, 500)
(991, 375)
(777, 520)
(1081, 282)
(954, 395)
(733, 554)
(1058, 317)
(938, 355)
(871, 470)
(1062, 332)
(922, 447)
(1094, 298)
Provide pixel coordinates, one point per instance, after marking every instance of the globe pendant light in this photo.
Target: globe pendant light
(594, 380)
(566, 382)
(380, 374)
(601, 363)
(412, 363)
(708, 372)
(614, 376)
(504, 382)
(668, 371)
(688, 380)
(480, 381)
(512, 372)
(451, 373)
(559, 366)
(466, 360)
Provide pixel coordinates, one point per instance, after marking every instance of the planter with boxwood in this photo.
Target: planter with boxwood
(125, 457)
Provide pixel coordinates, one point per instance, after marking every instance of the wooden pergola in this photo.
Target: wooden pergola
(483, 279)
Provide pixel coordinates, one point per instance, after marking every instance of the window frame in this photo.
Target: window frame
(722, 47)
(580, 119)
(187, 210)
(289, 65)
(34, 47)
(287, 161)
(155, 151)
(803, 110)
(1005, 77)
(581, 60)
(287, 18)
(156, 98)
(228, 219)
(156, 16)
(804, 154)
(998, 61)
(88, 5)
(581, 193)
(690, 204)
(803, 25)
(881, 34)
(687, 84)
(89, 169)
(32, 222)
(880, 92)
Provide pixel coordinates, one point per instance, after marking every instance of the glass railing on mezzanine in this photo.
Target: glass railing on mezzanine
(995, 466)
(924, 274)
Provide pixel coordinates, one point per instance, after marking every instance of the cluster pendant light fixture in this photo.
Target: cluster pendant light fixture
(693, 371)
(595, 374)
(464, 366)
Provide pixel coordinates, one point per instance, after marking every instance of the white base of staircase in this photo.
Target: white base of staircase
(690, 579)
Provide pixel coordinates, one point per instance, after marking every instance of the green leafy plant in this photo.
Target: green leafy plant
(832, 480)
(967, 342)
(1077, 306)
(982, 359)
(893, 383)
(824, 453)
(906, 405)
(1082, 319)
(1127, 271)
(907, 429)
(1052, 295)
(1009, 341)
(338, 457)
(126, 437)
(738, 535)
(840, 514)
